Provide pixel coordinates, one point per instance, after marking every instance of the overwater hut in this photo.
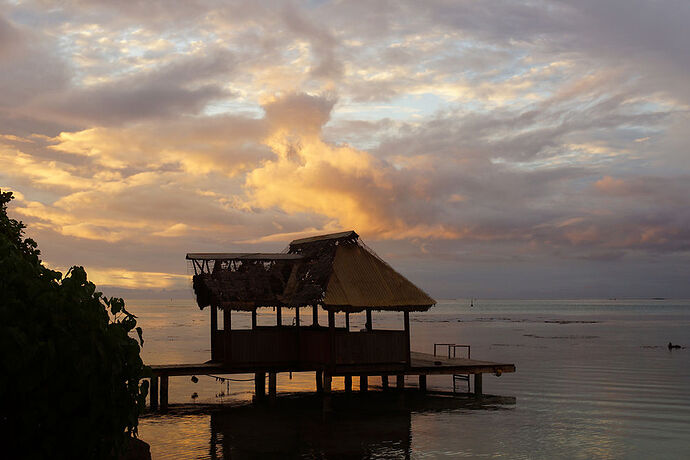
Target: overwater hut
(336, 273)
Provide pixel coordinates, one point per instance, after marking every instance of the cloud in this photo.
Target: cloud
(184, 86)
(444, 132)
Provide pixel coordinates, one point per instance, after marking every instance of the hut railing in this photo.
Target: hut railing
(308, 348)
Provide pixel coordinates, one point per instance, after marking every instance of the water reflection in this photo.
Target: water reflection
(376, 425)
(303, 427)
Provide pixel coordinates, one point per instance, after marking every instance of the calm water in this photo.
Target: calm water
(594, 380)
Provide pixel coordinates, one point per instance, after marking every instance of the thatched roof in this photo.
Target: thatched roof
(335, 271)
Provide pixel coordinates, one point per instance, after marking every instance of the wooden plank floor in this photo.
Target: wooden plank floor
(421, 363)
(424, 363)
(187, 369)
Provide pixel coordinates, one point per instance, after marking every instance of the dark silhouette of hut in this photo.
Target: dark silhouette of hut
(336, 273)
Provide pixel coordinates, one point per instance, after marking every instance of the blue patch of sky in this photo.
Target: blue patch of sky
(408, 107)
(238, 107)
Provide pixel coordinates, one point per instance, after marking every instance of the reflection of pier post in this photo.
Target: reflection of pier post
(319, 381)
(422, 382)
(164, 392)
(214, 439)
(272, 384)
(478, 384)
(259, 386)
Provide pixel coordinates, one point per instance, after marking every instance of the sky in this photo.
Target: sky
(506, 149)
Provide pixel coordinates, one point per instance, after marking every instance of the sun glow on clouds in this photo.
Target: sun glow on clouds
(441, 130)
(129, 279)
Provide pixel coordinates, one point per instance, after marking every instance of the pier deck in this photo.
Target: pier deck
(421, 364)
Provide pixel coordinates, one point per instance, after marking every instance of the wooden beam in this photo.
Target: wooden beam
(347, 321)
(279, 316)
(315, 315)
(254, 319)
(369, 324)
(297, 316)
(153, 392)
(164, 392)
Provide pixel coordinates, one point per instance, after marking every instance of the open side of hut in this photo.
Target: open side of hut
(336, 273)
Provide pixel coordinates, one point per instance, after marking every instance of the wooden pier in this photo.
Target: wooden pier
(421, 365)
(335, 273)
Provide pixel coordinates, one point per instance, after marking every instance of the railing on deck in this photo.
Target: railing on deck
(454, 347)
(308, 348)
(457, 378)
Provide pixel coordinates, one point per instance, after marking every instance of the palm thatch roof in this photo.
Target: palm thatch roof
(336, 271)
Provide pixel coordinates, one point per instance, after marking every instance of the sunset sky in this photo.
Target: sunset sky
(484, 148)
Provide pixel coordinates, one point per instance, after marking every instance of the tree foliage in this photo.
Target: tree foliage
(69, 370)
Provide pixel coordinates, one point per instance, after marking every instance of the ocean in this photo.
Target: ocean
(595, 379)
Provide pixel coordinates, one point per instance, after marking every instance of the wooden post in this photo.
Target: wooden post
(214, 328)
(422, 382)
(254, 319)
(227, 320)
(214, 318)
(347, 321)
(477, 384)
(400, 381)
(297, 316)
(259, 385)
(164, 392)
(384, 382)
(227, 330)
(272, 384)
(315, 316)
(327, 380)
(363, 383)
(406, 316)
(319, 381)
(369, 325)
(153, 392)
(348, 383)
(279, 316)
(331, 336)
